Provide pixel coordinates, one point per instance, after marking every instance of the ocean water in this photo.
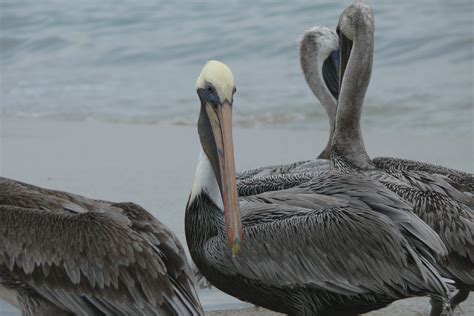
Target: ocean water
(138, 61)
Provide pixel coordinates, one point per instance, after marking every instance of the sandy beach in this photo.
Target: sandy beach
(408, 307)
(153, 165)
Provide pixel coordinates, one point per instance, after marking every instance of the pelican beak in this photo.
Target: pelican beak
(220, 119)
(345, 47)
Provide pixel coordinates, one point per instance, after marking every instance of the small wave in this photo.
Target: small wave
(137, 62)
(47, 44)
(384, 116)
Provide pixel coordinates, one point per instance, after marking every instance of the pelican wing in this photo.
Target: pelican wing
(270, 170)
(440, 205)
(91, 257)
(324, 231)
(463, 181)
(331, 188)
(334, 248)
(432, 182)
(256, 185)
(294, 167)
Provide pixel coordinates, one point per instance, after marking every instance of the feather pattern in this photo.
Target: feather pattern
(294, 167)
(463, 181)
(443, 208)
(92, 257)
(306, 246)
(438, 203)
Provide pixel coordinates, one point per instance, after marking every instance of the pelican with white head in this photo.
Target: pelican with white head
(215, 174)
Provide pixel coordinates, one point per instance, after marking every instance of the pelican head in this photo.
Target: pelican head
(355, 23)
(319, 59)
(215, 88)
(319, 55)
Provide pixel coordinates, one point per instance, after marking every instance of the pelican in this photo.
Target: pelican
(319, 60)
(337, 244)
(319, 46)
(319, 57)
(65, 254)
(444, 208)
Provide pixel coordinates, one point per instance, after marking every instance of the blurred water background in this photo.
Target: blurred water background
(137, 61)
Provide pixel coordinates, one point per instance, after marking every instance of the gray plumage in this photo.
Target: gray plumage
(317, 48)
(63, 254)
(463, 181)
(319, 63)
(274, 182)
(445, 209)
(294, 167)
(256, 181)
(319, 60)
(433, 197)
(335, 244)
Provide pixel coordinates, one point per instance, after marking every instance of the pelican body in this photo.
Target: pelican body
(336, 244)
(461, 180)
(65, 254)
(435, 198)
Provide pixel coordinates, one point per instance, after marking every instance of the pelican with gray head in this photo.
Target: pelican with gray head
(319, 59)
(355, 30)
(336, 244)
(444, 208)
(319, 56)
(65, 254)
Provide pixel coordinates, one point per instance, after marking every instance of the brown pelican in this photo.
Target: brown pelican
(444, 208)
(319, 60)
(319, 46)
(64, 254)
(319, 50)
(337, 244)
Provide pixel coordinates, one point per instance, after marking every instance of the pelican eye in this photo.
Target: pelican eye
(210, 89)
(210, 95)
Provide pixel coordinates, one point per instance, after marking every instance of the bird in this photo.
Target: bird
(319, 58)
(336, 244)
(461, 180)
(65, 254)
(319, 46)
(434, 198)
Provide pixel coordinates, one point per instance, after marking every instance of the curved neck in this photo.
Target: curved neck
(314, 79)
(348, 140)
(203, 216)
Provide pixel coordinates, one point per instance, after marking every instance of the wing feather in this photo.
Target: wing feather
(327, 248)
(115, 253)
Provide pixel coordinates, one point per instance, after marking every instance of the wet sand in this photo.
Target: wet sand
(407, 307)
(154, 166)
